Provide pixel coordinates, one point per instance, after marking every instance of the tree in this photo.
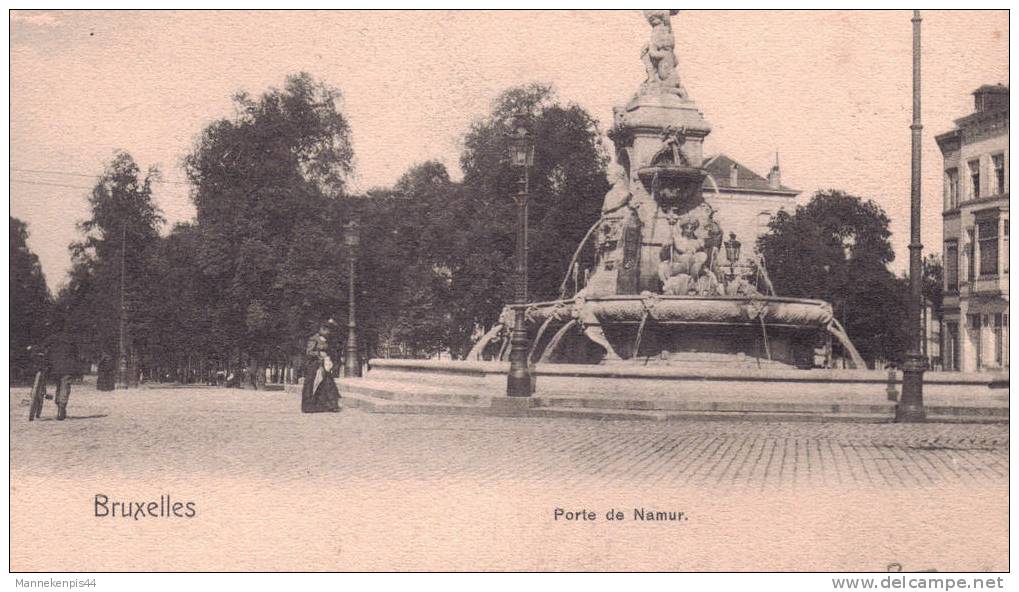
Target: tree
(410, 241)
(30, 304)
(266, 187)
(934, 288)
(837, 248)
(934, 283)
(184, 332)
(119, 238)
(567, 184)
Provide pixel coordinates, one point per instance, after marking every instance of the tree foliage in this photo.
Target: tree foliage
(119, 240)
(934, 283)
(837, 248)
(265, 259)
(262, 263)
(566, 188)
(265, 186)
(30, 301)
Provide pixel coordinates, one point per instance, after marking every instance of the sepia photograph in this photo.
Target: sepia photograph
(690, 291)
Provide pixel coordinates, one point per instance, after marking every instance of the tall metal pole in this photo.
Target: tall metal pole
(122, 361)
(518, 382)
(352, 361)
(910, 407)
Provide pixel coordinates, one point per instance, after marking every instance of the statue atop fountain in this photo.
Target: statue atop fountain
(659, 55)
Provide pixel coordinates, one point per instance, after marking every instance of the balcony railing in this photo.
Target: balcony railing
(984, 286)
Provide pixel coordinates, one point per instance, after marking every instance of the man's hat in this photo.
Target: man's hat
(331, 323)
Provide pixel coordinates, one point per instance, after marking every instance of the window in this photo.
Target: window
(952, 267)
(951, 189)
(971, 269)
(1004, 340)
(951, 346)
(987, 231)
(974, 179)
(999, 351)
(1005, 263)
(999, 173)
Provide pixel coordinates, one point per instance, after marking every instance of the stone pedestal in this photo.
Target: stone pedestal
(644, 132)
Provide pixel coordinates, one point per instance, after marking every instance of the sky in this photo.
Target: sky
(829, 91)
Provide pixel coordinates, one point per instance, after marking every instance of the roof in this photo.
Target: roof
(991, 117)
(999, 88)
(719, 167)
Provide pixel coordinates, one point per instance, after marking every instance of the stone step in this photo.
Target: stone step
(966, 411)
(709, 406)
(368, 400)
(960, 418)
(604, 414)
(397, 392)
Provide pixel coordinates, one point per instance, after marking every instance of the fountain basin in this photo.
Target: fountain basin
(735, 331)
(775, 310)
(674, 185)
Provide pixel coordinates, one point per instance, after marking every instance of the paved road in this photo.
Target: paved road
(180, 426)
(457, 488)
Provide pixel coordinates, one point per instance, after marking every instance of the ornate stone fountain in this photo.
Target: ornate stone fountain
(663, 289)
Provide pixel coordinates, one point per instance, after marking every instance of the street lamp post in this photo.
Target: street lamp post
(910, 407)
(122, 366)
(732, 253)
(352, 362)
(518, 382)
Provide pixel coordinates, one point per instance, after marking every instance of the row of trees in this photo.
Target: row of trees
(264, 260)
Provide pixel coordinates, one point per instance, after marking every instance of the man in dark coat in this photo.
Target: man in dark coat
(63, 364)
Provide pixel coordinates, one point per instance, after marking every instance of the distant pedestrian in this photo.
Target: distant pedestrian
(40, 366)
(105, 375)
(63, 365)
(319, 392)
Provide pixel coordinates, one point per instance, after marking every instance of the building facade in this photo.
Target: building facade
(744, 202)
(975, 227)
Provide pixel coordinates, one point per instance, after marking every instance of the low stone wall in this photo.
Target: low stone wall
(624, 379)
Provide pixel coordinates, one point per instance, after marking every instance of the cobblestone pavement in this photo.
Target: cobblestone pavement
(279, 490)
(198, 429)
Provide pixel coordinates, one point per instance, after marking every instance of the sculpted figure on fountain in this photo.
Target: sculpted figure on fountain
(659, 55)
(619, 194)
(688, 260)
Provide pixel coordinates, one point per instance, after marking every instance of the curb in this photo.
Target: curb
(377, 399)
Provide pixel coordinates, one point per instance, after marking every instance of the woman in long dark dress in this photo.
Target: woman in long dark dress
(105, 378)
(319, 393)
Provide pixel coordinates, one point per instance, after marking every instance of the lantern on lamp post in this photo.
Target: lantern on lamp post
(521, 143)
(352, 362)
(732, 252)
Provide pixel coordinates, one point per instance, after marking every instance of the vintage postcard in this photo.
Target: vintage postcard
(522, 290)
